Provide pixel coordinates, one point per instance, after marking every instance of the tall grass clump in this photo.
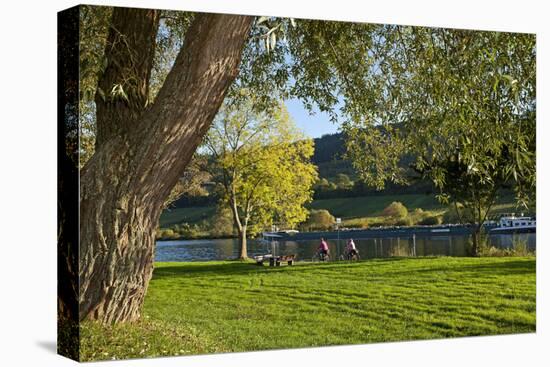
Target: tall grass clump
(519, 249)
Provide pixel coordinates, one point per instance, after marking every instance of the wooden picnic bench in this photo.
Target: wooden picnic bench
(275, 260)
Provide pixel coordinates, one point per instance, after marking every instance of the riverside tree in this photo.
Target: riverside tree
(262, 165)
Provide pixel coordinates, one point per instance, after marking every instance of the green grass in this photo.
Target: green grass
(211, 307)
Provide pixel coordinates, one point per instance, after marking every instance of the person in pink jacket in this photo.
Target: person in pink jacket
(323, 249)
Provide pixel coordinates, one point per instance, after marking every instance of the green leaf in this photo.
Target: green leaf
(273, 40)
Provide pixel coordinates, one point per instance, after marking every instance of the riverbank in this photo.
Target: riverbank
(230, 306)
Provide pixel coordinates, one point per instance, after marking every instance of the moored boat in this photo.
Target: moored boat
(513, 224)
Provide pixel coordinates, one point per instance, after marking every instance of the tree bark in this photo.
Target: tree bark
(125, 183)
(476, 240)
(240, 225)
(129, 54)
(243, 255)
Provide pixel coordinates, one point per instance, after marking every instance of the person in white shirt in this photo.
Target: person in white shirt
(351, 250)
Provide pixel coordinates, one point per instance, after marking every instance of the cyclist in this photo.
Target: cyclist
(323, 249)
(351, 250)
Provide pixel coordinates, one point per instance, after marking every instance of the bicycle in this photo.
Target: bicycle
(320, 256)
(350, 256)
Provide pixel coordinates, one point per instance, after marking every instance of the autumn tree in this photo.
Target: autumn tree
(262, 164)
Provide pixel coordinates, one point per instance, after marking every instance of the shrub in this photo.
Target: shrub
(431, 220)
(190, 230)
(395, 210)
(418, 212)
(319, 219)
(491, 251)
(357, 223)
(519, 246)
(167, 233)
(517, 250)
(406, 221)
(377, 224)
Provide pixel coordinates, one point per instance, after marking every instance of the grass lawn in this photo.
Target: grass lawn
(230, 306)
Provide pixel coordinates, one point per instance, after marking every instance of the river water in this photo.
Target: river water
(222, 249)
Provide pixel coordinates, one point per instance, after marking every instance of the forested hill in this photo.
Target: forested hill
(328, 148)
(329, 158)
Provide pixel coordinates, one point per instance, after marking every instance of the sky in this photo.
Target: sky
(313, 126)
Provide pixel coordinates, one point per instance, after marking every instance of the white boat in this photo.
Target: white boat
(513, 224)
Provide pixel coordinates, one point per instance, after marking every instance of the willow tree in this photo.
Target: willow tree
(142, 147)
(262, 165)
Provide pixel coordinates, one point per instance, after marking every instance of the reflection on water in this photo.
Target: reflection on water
(222, 249)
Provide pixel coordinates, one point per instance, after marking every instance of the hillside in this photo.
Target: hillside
(328, 157)
(346, 208)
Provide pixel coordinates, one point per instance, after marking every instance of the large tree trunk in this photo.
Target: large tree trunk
(125, 183)
(129, 54)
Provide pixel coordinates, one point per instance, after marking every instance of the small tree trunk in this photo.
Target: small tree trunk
(476, 240)
(242, 241)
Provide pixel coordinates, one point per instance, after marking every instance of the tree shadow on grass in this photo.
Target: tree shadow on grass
(243, 268)
(230, 268)
(511, 267)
